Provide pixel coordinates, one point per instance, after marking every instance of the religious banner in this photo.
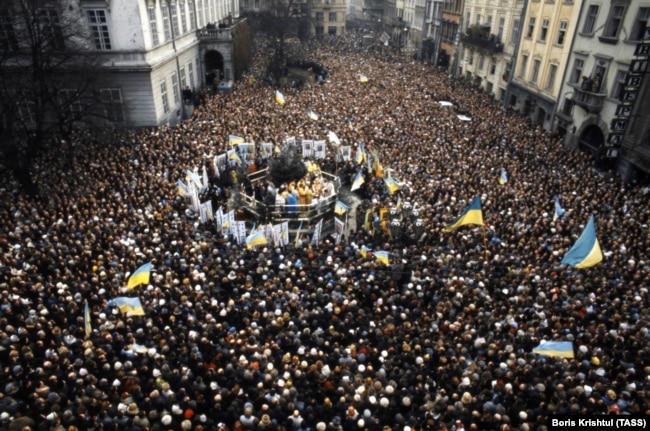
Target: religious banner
(319, 149)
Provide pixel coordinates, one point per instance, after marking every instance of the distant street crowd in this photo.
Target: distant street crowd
(319, 337)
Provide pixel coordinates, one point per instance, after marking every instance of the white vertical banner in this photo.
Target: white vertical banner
(315, 240)
(266, 150)
(219, 218)
(307, 148)
(268, 233)
(194, 196)
(203, 215)
(319, 149)
(241, 231)
(346, 152)
(205, 179)
(291, 140)
(277, 235)
(339, 228)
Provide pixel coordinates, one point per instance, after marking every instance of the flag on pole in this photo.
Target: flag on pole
(333, 138)
(560, 349)
(392, 185)
(382, 256)
(471, 215)
(586, 251)
(204, 178)
(279, 98)
(87, 323)
(127, 305)
(363, 78)
(140, 276)
(559, 212)
(182, 188)
(361, 154)
(235, 140)
(256, 239)
(364, 251)
(503, 177)
(311, 114)
(340, 208)
(358, 181)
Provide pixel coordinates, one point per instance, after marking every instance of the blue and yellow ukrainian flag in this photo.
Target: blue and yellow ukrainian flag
(382, 256)
(235, 140)
(358, 181)
(560, 349)
(140, 276)
(311, 114)
(392, 185)
(361, 154)
(364, 251)
(503, 177)
(126, 305)
(363, 78)
(279, 98)
(88, 329)
(256, 239)
(471, 215)
(340, 208)
(586, 251)
(182, 188)
(559, 212)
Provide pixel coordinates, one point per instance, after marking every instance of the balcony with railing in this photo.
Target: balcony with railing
(591, 102)
(480, 38)
(215, 33)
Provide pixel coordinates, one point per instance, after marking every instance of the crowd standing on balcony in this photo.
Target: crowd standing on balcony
(321, 338)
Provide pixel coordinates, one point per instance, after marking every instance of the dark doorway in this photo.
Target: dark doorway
(213, 68)
(592, 139)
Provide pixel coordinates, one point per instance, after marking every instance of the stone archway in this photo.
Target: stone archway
(592, 139)
(214, 67)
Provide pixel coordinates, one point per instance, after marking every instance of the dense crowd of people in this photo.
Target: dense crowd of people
(319, 337)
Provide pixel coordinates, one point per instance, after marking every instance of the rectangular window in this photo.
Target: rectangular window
(183, 16)
(576, 73)
(190, 8)
(619, 85)
(590, 19)
(531, 27)
(183, 78)
(8, 39)
(51, 33)
(524, 65)
(332, 17)
(468, 17)
(190, 73)
(514, 37)
(640, 23)
(113, 105)
(543, 30)
(331, 30)
(69, 104)
(163, 96)
(493, 67)
(561, 33)
(99, 29)
(153, 26)
(199, 17)
(177, 94)
(174, 18)
(478, 19)
(166, 27)
(535, 76)
(552, 72)
(614, 22)
(319, 17)
(502, 24)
